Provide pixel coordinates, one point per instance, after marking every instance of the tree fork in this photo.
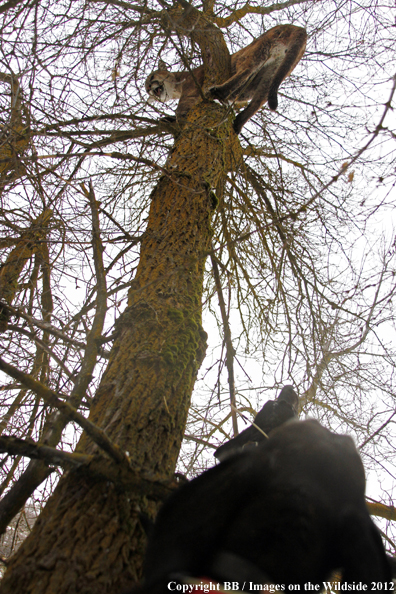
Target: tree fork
(89, 538)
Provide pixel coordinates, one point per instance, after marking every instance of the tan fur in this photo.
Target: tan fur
(257, 71)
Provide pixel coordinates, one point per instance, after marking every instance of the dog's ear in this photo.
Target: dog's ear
(162, 65)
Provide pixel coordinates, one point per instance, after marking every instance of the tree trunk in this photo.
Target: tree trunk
(88, 538)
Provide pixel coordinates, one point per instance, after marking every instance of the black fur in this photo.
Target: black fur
(273, 414)
(292, 509)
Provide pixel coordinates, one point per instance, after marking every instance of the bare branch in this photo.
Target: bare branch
(238, 14)
(51, 398)
(20, 447)
(228, 341)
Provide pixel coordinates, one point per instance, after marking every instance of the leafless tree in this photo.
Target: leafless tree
(122, 231)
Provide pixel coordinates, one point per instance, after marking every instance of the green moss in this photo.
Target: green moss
(175, 314)
(183, 343)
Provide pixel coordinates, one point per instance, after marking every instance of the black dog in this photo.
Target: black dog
(273, 414)
(287, 512)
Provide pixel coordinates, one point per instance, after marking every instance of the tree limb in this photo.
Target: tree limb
(21, 447)
(230, 351)
(51, 398)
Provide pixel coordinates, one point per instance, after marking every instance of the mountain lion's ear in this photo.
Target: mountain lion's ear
(162, 65)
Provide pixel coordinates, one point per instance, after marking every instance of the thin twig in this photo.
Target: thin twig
(43, 346)
(51, 398)
(347, 166)
(48, 327)
(253, 424)
(230, 351)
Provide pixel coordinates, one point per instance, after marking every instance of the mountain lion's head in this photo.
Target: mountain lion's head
(162, 86)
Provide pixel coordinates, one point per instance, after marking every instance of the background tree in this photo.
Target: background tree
(294, 215)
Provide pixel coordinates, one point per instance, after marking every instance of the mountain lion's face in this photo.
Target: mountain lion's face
(256, 74)
(162, 86)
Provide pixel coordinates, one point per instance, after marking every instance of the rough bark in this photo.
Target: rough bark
(89, 538)
(14, 137)
(29, 243)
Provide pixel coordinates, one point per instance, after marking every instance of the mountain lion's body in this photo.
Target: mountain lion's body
(256, 73)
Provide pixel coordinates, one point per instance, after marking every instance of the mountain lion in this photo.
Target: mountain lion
(257, 72)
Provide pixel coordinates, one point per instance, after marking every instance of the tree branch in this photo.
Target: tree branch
(20, 447)
(123, 476)
(47, 327)
(237, 15)
(8, 5)
(228, 341)
(214, 51)
(346, 166)
(51, 398)
(381, 510)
